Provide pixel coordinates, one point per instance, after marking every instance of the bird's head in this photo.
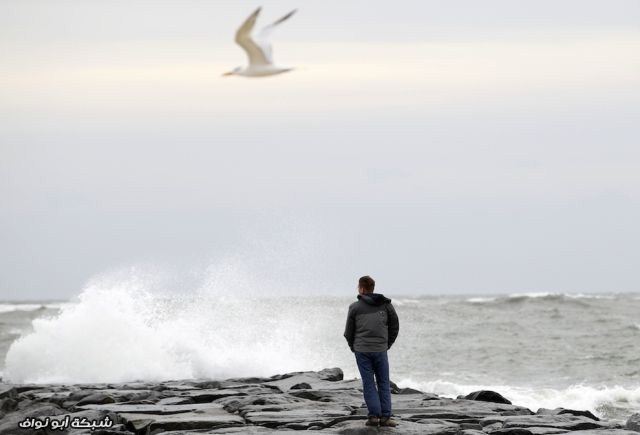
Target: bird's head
(233, 72)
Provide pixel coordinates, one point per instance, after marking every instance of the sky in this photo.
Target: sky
(441, 147)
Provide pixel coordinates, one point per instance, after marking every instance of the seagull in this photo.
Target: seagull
(258, 49)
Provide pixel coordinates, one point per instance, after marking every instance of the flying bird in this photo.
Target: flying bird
(258, 48)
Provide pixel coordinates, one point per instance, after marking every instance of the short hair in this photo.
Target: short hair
(367, 284)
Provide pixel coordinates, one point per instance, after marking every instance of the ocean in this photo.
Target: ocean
(540, 350)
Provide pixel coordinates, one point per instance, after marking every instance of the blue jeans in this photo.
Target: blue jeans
(378, 400)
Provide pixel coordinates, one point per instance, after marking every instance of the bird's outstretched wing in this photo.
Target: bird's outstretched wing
(258, 50)
(266, 30)
(263, 36)
(243, 38)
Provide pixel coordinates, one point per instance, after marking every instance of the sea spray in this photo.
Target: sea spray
(109, 335)
(121, 331)
(245, 313)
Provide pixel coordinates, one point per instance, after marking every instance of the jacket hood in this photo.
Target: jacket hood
(376, 299)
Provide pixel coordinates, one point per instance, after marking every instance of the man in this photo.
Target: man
(372, 327)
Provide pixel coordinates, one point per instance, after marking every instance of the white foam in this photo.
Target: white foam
(12, 307)
(574, 397)
(57, 305)
(8, 308)
(405, 301)
(480, 300)
(552, 295)
(587, 296)
(532, 295)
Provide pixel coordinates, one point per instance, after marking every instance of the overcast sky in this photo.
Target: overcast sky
(441, 147)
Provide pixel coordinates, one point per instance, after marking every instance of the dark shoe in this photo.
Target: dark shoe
(372, 421)
(387, 422)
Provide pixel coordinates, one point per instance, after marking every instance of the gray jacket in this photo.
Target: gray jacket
(372, 324)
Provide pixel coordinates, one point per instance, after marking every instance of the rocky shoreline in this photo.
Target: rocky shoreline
(312, 401)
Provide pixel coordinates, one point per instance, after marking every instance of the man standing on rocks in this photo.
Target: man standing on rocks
(372, 327)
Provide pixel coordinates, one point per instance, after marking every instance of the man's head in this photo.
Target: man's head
(366, 284)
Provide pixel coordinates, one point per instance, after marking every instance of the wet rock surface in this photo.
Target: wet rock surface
(311, 401)
(633, 423)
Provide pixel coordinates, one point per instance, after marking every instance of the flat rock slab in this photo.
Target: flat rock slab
(287, 383)
(21, 388)
(558, 411)
(562, 421)
(7, 390)
(175, 385)
(404, 427)
(604, 432)
(9, 423)
(174, 400)
(439, 427)
(545, 430)
(454, 410)
(250, 388)
(535, 430)
(154, 408)
(277, 402)
(529, 431)
(209, 395)
(297, 418)
(442, 413)
(633, 422)
(85, 396)
(132, 386)
(243, 430)
(207, 419)
(315, 380)
(346, 397)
